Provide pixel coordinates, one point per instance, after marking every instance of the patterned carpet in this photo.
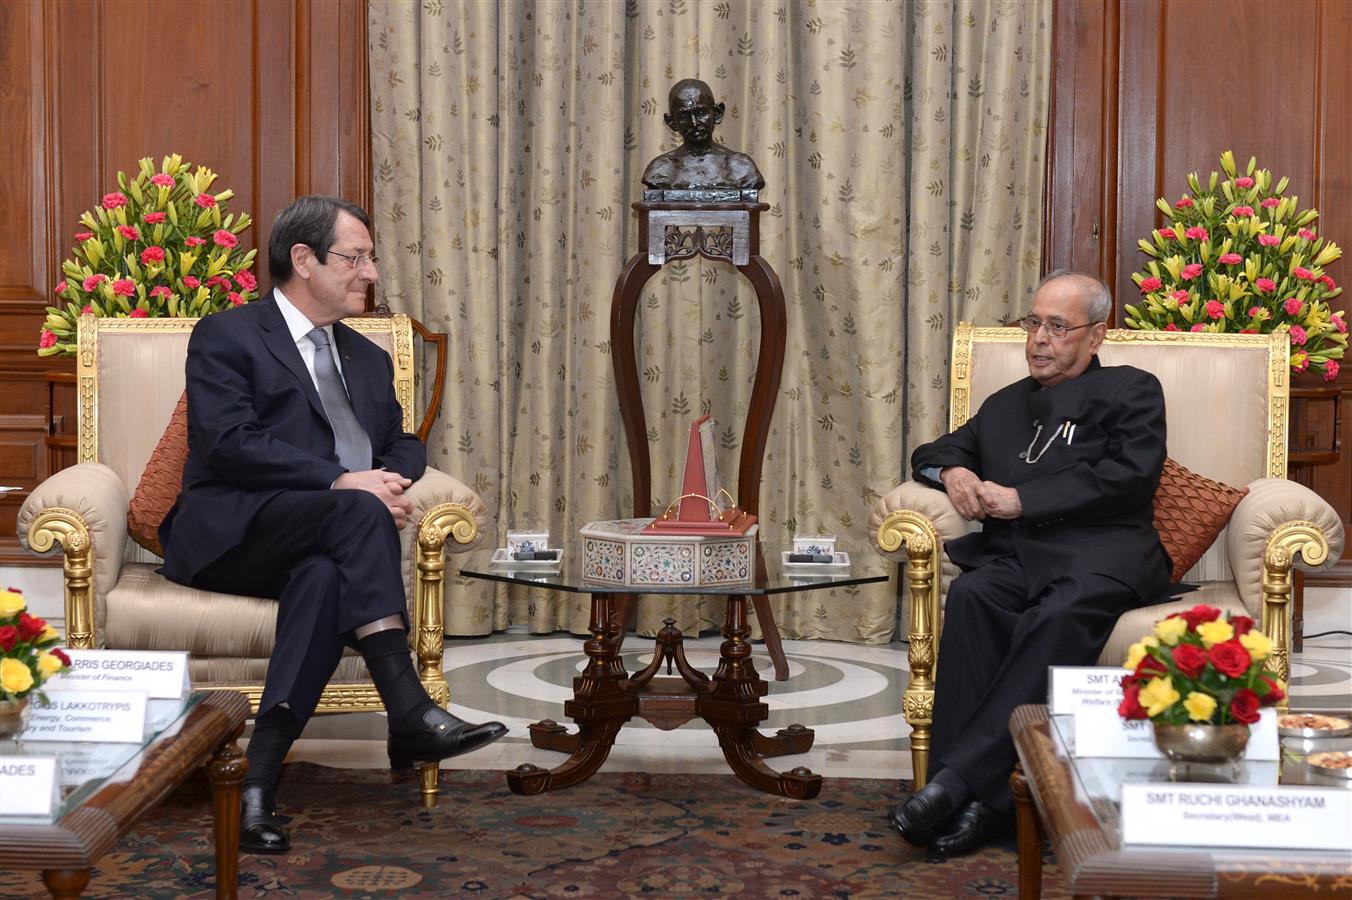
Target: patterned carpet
(617, 835)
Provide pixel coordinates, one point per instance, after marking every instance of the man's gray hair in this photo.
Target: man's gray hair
(1098, 298)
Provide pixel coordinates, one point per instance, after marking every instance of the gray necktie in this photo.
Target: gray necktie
(353, 444)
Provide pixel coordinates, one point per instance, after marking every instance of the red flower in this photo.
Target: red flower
(244, 278)
(1180, 296)
(1244, 708)
(1244, 181)
(124, 286)
(1148, 667)
(1257, 311)
(46, 339)
(1273, 694)
(93, 281)
(61, 286)
(1130, 707)
(1230, 658)
(193, 241)
(235, 299)
(1171, 327)
(1266, 285)
(129, 232)
(153, 218)
(1331, 370)
(1298, 336)
(61, 655)
(1198, 327)
(83, 235)
(1306, 233)
(1197, 233)
(152, 255)
(1303, 273)
(1268, 240)
(8, 636)
(114, 200)
(206, 201)
(87, 310)
(1241, 625)
(1293, 306)
(1247, 331)
(137, 313)
(1231, 259)
(217, 281)
(1191, 271)
(30, 626)
(1184, 202)
(191, 281)
(1199, 615)
(1328, 282)
(1190, 659)
(162, 179)
(1300, 361)
(1338, 323)
(1149, 284)
(1168, 234)
(1215, 309)
(160, 291)
(223, 238)
(1269, 203)
(1242, 210)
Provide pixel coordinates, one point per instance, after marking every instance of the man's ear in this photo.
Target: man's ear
(718, 112)
(302, 257)
(1097, 332)
(671, 123)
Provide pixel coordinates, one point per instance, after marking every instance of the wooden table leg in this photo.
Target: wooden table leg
(1030, 837)
(65, 884)
(226, 772)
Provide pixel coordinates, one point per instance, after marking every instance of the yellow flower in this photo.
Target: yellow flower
(15, 677)
(11, 603)
(1171, 629)
(1200, 706)
(1158, 695)
(48, 632)
(1216, 632)
(1258, 644)
(48, 665)
(1136, 652)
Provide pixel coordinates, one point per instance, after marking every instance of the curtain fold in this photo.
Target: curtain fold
(902, 145)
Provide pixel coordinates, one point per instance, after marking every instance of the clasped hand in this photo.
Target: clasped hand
(388, 486)
(976, 499)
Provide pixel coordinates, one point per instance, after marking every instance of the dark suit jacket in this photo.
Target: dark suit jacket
(256, 427)
(1087, 504)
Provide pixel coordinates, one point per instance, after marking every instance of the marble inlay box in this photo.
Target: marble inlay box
(617, 552)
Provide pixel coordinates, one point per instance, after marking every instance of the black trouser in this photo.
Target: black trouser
(996, 645)
(332, 561)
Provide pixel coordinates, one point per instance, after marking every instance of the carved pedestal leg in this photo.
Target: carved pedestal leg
(1030, 837)
(733, 709)
(600, 707)
(65, 884)
(226, 771)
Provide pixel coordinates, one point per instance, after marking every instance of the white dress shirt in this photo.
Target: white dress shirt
(300, 327)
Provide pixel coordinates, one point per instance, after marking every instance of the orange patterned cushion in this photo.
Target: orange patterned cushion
(1189, 512)
(160, 482)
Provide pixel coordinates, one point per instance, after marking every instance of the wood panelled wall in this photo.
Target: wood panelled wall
(1146, 91)
(270, 94)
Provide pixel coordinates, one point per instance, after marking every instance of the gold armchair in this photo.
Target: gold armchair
(129, 377)
(1226, 399)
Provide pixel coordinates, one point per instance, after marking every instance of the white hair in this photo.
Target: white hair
(1098, 299)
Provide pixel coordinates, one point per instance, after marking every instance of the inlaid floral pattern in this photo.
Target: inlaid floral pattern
(903, 148)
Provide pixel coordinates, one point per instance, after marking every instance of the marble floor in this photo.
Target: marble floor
(849, 693)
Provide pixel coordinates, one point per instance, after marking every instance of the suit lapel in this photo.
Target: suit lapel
(277, 338)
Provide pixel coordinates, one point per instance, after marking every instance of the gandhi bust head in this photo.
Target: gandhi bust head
(700, 162)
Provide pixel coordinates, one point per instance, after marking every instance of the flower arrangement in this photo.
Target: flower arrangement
(1198, 667)
(1237, 256)
(160, 245)
(28, 652)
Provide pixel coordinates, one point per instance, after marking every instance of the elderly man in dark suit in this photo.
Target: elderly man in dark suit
(1061, 468)
(293, 489)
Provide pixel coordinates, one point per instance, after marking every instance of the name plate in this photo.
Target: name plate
(27, 785)
(1232, 815)
(1100, 731)
(108, 716)
(162, 675)
(1073, 687)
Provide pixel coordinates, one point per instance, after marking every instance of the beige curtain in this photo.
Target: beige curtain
(902, 146)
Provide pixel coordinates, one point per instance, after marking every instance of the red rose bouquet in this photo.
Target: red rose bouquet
(28, 652)
(161, 245)
(1199, 667)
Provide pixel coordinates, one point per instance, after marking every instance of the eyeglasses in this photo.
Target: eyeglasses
(355, 262)
(1056, 327)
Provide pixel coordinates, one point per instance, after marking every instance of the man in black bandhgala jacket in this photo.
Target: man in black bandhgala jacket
(294, 490)
(1061, 469)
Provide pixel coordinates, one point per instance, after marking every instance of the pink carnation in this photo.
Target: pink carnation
(83, 235)
(235, 299)
(1269, 203)
(1338, 323)
(162, 179)
(1307, 234)
(1215, 309)
(193, 241)
(1191, 271)
(1268, 240)
(1298, 335)
(86, 310)
(61, 286)
(114, 200)
(1244, 181)
(1266, 285)
(206, 201)
(1256, 312)
(244, 278)
(1331, 370)
(152, 255)
(153, 218)
(223, 238)
(1303, 273)
(1168, 234)
(1184, 202)
(1231, 259)
(1247, 331)
(93, 281)
(191, 281)
(124, 287)
(1242, 211)
(137, 313)
(1197, 233)
(1328, 282)
(160, 291)
(48, 339)
(1198, 327)
(1180, 296)
(1300, 361)
(129, 232)
(1293, 306)
(1171, 327)
(217, 281)
(1149, 284)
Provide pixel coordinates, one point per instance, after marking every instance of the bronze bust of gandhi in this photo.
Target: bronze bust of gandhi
(700, 163)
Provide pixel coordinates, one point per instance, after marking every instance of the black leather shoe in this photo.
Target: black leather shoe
(442, 736)
(260, 828)
(921, 816)
(976, 826)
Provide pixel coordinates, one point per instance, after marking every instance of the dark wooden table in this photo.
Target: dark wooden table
(1051, 802)
(68, 848)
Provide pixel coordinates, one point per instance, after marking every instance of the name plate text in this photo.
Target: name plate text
(117, 717)
(161, 674)
(27, 785)
(1073, 687)
(1100, 731)
(1232, 815)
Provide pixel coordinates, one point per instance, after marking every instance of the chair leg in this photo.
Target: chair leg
(429, 773)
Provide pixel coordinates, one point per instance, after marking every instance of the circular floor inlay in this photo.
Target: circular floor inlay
(376, 878)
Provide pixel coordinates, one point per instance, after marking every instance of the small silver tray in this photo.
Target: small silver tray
(841, 560)
(1309, 733)
(1329, 771)
(502, 559)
